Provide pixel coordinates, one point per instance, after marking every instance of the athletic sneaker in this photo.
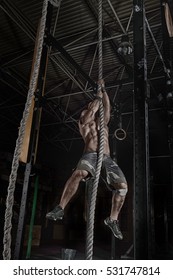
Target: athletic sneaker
(114, 226)
(56, 214)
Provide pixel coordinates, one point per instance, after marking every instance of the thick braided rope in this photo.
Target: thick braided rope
(19, 141)
(92, 203)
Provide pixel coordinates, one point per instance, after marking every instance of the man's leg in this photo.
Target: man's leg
(118, 198)
(71, 186)
(70, 189)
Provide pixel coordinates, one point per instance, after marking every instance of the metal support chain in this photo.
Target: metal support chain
(92, 204)
(19, 141)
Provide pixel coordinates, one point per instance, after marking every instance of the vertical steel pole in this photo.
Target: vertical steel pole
(19, 236)
(141, 136)
(28, 252)
(168, 58)
(33, 141)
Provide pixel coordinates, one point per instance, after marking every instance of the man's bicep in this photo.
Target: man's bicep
(107, 117)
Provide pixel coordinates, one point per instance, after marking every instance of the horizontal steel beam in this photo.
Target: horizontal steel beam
(55, 44)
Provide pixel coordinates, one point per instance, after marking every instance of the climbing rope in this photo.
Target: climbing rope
(92, 202)
(19, 141)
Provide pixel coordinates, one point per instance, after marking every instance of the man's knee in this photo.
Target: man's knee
(121, 189)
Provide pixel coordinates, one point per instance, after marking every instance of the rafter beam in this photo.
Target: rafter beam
(56, 45)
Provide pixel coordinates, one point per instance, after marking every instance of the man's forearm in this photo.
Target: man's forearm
(95, 104)
(106, 101)
(105, 98)
(107, 107)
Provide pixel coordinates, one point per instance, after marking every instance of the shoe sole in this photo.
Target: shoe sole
(120, 238)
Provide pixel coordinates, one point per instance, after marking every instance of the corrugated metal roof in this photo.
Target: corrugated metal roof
(76, 29)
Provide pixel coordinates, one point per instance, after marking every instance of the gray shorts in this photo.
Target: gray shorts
(110, 170)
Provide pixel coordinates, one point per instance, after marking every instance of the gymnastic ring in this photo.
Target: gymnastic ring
(121, 131)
